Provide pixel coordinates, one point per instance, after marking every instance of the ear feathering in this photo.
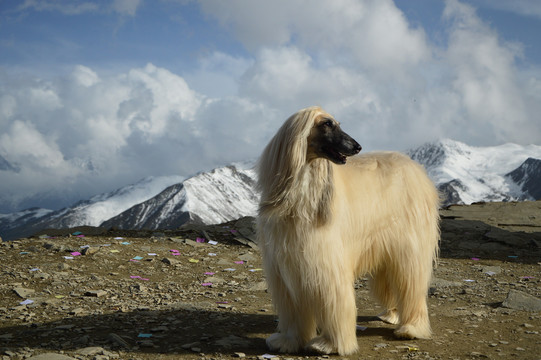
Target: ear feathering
(284, 158)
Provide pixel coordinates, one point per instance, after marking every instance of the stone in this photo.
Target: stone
(519, 300)
(91, 250)
(96, 293)
(191, 345)
(23, 293)
(232, 341)
(170, 261)
(76, 311)
(116, 339)
(51, 356)
(214, 280)
(192, 243)
(89, 351)
(492, 270)
(259, 286)
(247, 257)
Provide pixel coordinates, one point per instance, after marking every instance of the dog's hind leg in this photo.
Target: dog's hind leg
(412, 291)
(382, 290)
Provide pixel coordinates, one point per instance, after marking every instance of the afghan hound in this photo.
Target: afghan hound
(323, 223)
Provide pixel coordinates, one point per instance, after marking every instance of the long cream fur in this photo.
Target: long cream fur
(322, 225)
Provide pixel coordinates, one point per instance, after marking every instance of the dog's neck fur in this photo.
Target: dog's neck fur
(304, 196)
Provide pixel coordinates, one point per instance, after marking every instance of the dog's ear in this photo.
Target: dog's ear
(285, 156)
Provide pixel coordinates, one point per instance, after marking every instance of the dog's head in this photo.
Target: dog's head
(327, 140)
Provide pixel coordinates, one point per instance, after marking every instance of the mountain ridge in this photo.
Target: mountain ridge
(464, 174)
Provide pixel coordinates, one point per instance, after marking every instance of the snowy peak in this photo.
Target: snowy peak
(220, 195)
(434, 154)
(101, 207)
(527, 177)
(90, 212)
(464, 174)
(467, 174)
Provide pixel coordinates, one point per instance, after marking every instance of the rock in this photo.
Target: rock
(519, 300)
(96, 293)
(116, 339)
(247, 257)
(492, 246)
(89, 351)
(91, 250)
(189, 346)
(51, 356)
(76, 311)
(260, 286)
(232, 341)
(170, 261)
(192, 243)
(239, 355)
(214, 280)
(23, 293)
(225, 262)
(492, 270)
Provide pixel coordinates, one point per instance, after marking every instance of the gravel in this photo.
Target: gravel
(128, 296)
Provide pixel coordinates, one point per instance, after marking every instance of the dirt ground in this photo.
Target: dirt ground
(106, 294)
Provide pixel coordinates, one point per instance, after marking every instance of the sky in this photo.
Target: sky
(95, 95)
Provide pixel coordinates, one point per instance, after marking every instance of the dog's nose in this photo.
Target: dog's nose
(358, 147)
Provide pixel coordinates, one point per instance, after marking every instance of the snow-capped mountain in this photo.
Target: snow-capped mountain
(466, 174)
(527, 177)
(12, 225)
(213, 197)
(90, 212)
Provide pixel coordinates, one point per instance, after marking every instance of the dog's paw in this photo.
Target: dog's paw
(320, 345)
(413, 332)
(390, 316)
(282, 343)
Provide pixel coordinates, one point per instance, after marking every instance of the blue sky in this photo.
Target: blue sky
(95, 95)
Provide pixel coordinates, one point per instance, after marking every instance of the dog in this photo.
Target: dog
(327, 217)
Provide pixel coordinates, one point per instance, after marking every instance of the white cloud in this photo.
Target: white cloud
(83, 133)
(67, 7)
(370, 33)
(85, 76)
(218, 74)
(89, 132)
(26, 145)
(79, 7)
(492, 95)
(126, 7)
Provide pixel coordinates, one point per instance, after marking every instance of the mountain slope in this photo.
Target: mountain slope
(90, 212)
(527, 177)
(217, 196)
(466, 174)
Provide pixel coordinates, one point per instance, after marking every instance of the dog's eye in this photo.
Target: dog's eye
(328, 123)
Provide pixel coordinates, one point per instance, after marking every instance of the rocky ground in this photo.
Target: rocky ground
(199, 293)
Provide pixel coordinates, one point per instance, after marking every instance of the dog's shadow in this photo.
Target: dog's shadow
(373, 326)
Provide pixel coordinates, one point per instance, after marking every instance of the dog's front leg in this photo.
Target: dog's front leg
(296, 322)
(337, 320)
